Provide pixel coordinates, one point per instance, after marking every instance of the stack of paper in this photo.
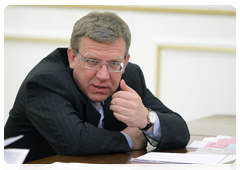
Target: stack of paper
(178, 158)
(215, 145)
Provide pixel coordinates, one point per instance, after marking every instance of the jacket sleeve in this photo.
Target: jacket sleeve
(174, 130)
(50, 110)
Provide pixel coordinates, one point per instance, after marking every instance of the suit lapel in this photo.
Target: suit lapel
(110, 122)
(92, 115)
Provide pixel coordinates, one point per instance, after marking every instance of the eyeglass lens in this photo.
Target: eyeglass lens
(96, 65)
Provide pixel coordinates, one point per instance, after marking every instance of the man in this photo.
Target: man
(88, 99)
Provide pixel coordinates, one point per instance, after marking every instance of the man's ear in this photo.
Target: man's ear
(71, 57)
(126, 61)
(127, 58)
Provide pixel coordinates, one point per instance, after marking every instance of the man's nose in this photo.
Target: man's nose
(103, 73)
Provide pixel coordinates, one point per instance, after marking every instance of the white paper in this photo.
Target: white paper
(15, 156)
(197, 144)
(223, 137)
(11, 140)
(87, 166)
(210, 139)
(158, 157)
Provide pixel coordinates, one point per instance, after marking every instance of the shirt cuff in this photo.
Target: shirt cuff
(129, 139)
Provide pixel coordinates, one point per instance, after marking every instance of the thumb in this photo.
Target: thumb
(125, 87)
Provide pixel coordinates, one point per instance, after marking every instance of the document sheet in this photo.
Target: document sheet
(220, 144)
(179, 158)
(211, 150)
(14, 156)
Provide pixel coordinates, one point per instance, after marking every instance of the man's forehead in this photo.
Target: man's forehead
(89, 40)
(95, 49)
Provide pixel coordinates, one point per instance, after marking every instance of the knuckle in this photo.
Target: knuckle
(134, 105)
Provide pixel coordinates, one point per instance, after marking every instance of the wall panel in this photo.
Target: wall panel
(32, 32)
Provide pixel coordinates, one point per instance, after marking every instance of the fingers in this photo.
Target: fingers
(127, 105)
(124, 114)
(123, 118)
(123, 105)
(119, 109)
(120, 117)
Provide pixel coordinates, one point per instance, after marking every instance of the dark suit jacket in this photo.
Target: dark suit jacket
(56, 118)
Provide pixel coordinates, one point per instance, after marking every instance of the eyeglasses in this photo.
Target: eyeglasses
(96, 65)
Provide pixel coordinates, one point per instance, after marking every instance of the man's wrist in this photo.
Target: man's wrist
(152, 117)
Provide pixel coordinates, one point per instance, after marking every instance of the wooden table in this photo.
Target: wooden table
(122, 159)
(210, 126)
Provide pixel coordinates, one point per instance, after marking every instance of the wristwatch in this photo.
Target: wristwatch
(151, 119)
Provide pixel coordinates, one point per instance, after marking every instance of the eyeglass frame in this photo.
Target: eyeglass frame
(102, 63)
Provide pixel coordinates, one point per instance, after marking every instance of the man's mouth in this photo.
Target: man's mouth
(101, 87)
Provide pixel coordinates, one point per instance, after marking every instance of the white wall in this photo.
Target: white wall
(194, 83)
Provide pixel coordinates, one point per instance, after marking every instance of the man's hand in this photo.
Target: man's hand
(138, 139)
(127, 107)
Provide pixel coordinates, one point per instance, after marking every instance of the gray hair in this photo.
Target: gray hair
(104, 27)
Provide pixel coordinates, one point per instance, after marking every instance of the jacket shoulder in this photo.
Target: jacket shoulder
(51, 73)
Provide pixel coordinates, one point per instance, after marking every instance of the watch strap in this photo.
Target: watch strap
(149, 124)
(147, 127)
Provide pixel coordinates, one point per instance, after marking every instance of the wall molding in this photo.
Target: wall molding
(145, 9)
(161, 47)
(36, 39)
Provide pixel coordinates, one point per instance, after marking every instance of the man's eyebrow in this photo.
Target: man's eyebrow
(117, 58)
(90, 55)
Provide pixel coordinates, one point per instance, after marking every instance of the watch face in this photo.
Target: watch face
(152, 117)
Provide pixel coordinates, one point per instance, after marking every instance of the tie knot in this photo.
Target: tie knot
(97, 105)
